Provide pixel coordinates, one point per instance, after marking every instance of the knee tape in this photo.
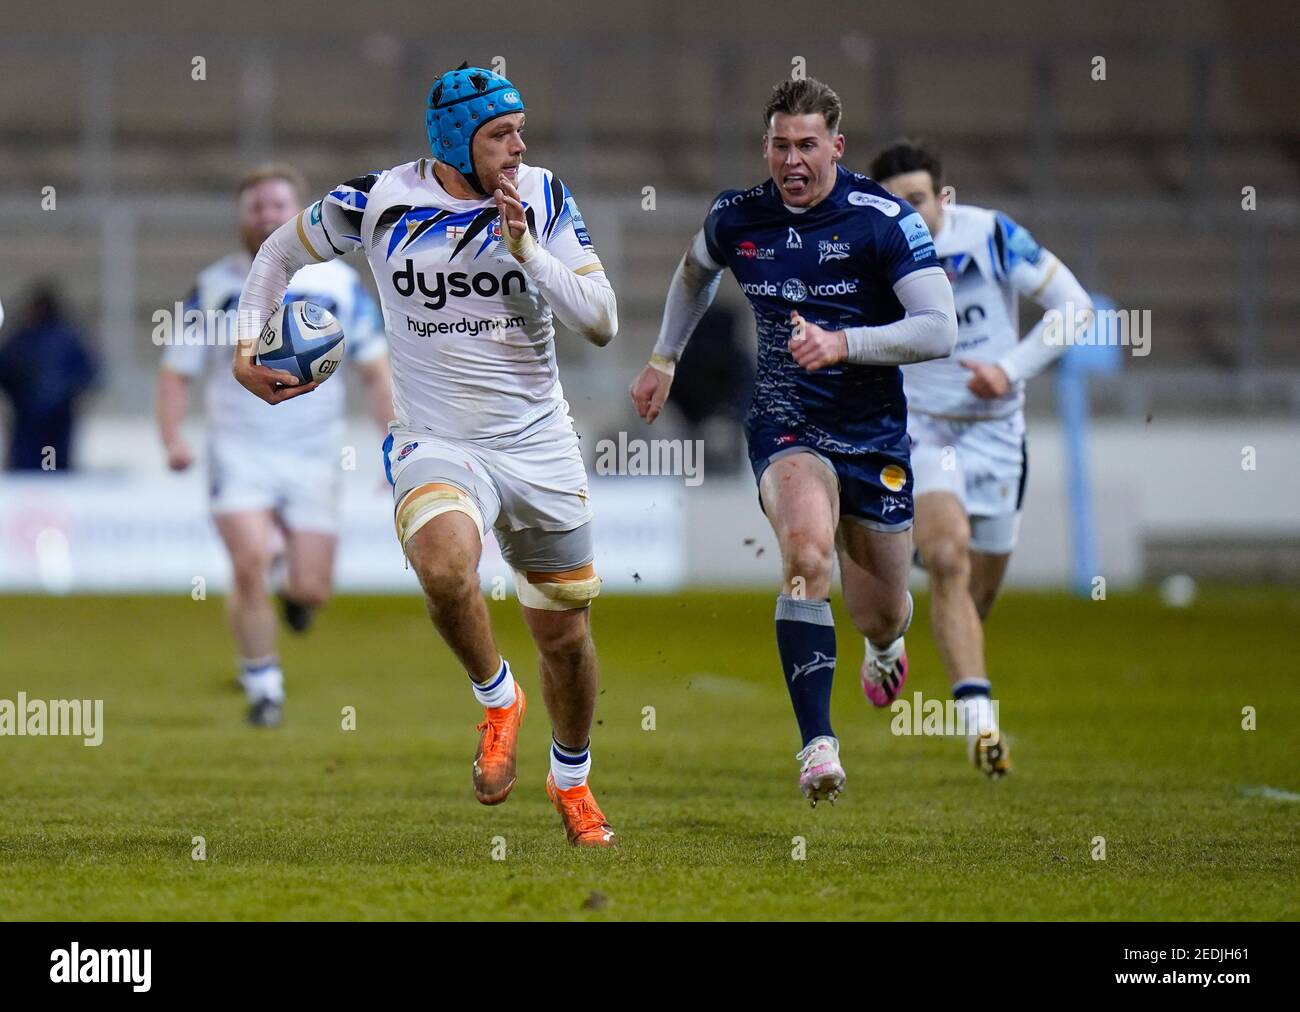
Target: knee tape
(423, 503)
(565, 591)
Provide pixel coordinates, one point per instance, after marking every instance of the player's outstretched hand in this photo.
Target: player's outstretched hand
(514, 222)
(815, 348)
(988, 381)
(272, 385)
(649, 391)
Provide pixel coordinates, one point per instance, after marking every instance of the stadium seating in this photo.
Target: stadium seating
(1145, 207)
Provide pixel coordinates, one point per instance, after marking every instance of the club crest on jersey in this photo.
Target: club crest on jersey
(794, 290)
(793, 240)
(406, 450)
(832, 249)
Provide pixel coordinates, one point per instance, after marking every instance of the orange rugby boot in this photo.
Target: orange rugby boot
(494, 762)
(584, 822)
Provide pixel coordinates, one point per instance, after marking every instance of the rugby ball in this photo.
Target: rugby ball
(303, 339)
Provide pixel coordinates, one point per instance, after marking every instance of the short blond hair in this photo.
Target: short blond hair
(801, 97)
(273, 170)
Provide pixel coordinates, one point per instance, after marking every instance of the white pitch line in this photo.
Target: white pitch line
(1272, 793)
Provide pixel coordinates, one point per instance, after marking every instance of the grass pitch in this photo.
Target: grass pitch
(1125, 719)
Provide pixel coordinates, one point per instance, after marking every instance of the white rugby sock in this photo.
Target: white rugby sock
(499, 690)
(975, 703)
(262, 678)
(570, 768)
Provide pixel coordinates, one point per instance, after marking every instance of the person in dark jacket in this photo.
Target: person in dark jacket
(44, 367)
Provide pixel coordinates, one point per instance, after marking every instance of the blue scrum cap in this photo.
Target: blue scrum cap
(460, 102)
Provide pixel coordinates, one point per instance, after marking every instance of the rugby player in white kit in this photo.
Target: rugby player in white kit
(474, 253)
(273, 476)
(966, 422)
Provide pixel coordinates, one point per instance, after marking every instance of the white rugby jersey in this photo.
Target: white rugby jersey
(311, 424)
(471, 337)
(990, 261)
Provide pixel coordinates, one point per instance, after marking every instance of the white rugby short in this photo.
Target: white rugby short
(302, 489)
(532, 491)
(983, 463)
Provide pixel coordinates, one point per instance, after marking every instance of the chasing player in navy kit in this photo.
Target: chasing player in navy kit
(845, 287)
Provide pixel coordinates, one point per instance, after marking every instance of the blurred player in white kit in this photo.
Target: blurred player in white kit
(273, 474)
(966, 421)
(474, 254)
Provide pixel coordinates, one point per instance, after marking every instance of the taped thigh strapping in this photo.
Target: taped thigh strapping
(573, 588)
(424, 502)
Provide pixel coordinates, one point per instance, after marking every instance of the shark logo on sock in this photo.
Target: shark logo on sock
(819, 662)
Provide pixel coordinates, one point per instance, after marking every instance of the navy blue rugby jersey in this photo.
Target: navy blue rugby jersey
(836, 263)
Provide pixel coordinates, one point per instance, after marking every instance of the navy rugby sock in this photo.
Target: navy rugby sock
(805, 638)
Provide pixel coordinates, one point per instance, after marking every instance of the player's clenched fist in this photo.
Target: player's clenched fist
(815, 348)
(650, 389)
